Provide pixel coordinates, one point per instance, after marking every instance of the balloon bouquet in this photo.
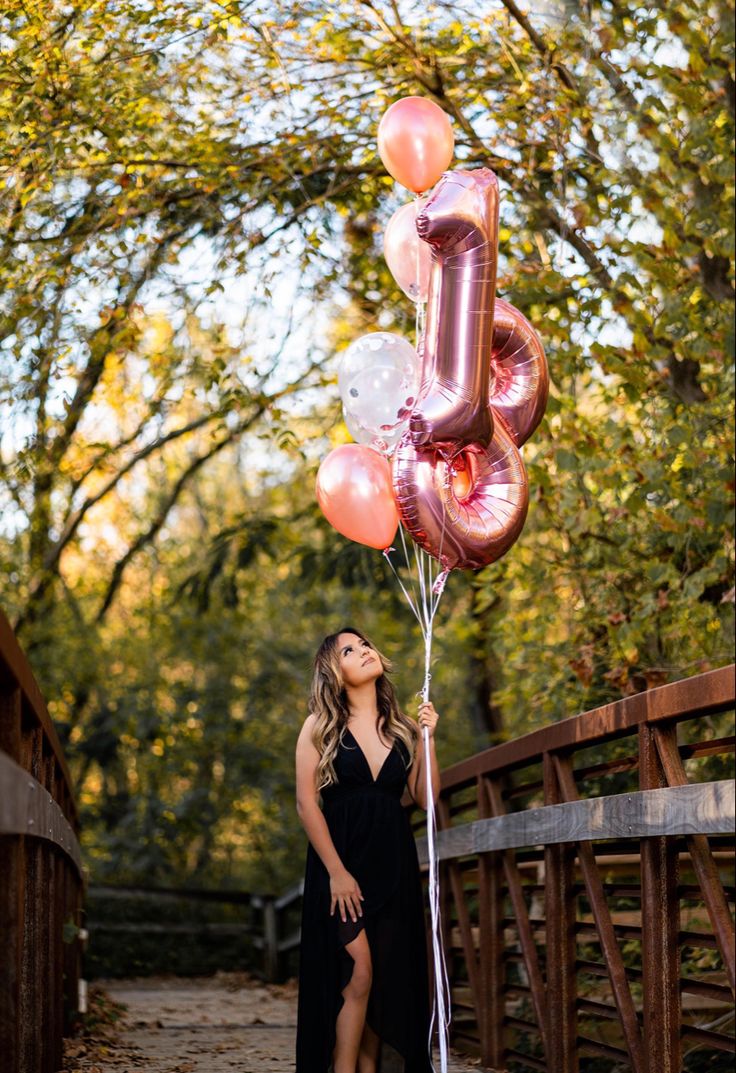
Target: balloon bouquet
(438, 426)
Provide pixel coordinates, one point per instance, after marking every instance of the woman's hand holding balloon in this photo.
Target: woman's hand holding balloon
(428, 717)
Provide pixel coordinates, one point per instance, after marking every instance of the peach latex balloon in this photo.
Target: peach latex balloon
(355, 493)
(416, 142)
(407, 255)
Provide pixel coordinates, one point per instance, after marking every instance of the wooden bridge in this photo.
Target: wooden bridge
(586, 875)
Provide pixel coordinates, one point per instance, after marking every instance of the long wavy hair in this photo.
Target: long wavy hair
(329, 702)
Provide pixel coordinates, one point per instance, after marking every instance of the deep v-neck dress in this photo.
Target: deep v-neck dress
(374, 840)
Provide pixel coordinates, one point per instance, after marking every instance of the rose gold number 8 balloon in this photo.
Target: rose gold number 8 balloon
(460, 483)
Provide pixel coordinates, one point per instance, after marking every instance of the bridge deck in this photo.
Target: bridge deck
(221, 1024)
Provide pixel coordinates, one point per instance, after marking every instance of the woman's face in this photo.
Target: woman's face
(359, 663)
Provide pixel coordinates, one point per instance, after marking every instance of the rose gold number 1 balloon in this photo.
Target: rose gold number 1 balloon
(460, 483)
(460, 225)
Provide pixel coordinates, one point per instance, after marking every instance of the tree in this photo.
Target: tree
(161, 159)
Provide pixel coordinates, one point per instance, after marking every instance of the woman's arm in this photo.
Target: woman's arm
(416, 780)
(343, 887)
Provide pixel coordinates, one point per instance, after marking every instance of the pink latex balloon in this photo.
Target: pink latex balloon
(519, 374)
(406, 254)
(460, 223)
(355, 494)
(468, 518)
(416, 142)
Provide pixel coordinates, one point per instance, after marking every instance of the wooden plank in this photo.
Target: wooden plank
(47, 983)
(56, 951)
(27, 808)
(702, 694)
(28, 1050)
(35, 800)
(561, 997)
(705, 1038)
(236, 897)
(491, 943)
(12, 870)
(270, 942)
(521, 913)
(604, 926)
(31, 982)
(72, 952)
(293, 894)
(660, 921)
(15, 666)
(702, 857)
(676, 810)
(463, 917)
(201, 928)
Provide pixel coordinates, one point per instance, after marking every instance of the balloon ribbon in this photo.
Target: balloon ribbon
(424, 604)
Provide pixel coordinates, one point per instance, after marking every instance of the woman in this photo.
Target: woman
(363, 961)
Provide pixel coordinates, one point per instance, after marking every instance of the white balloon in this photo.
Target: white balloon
(378, 378)
(385, 442)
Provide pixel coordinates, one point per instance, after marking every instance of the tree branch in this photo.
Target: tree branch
(76, 519)
(99, 351)
(150, 533)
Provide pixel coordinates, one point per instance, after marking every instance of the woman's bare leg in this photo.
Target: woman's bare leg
(368, 1053)
(351, 1018)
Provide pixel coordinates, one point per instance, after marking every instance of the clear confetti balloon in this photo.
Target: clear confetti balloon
(378, 379)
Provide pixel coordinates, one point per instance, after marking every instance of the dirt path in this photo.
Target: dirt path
(200, 1025)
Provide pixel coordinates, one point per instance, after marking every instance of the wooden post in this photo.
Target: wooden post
(559, 871)
(702, 858)
(72, 952)
(604, 926)
(58, 865)
(490, 926)
(48, 981)
(463, 915)
(12, 856)
(660, 921)
(32, 995)
(530, 958)
(270, 940)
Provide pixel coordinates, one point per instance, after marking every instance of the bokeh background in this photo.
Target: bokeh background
(191, 213)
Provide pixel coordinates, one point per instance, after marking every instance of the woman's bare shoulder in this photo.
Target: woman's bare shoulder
(305, 734)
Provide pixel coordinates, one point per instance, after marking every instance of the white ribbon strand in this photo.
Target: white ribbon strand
(424, 610)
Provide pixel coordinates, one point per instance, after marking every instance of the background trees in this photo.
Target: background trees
(192, 206)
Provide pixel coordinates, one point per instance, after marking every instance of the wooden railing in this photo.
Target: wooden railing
(586, 871)
(41, 879)
(136, 929)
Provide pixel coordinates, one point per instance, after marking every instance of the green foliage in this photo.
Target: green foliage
(160, 551)
(193, 937)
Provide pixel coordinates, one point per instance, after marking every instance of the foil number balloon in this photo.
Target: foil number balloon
(460, 483)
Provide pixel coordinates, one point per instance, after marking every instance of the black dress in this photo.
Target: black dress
(374, 840)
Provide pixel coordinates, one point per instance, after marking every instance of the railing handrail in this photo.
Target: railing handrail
(702, 694)
(13, 664)
(571, 962)
(42, 893)
(27, 808)
(205, 894)
(698, 808)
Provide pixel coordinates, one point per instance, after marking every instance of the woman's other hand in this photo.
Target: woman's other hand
(345, 893)
(428, 717)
